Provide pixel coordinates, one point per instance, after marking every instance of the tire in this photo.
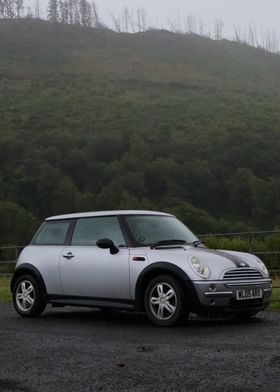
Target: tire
(28, 297)
(165, 302)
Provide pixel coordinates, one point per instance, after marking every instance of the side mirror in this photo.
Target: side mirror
(106, 243)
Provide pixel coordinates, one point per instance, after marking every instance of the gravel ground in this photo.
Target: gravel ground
(75, 349)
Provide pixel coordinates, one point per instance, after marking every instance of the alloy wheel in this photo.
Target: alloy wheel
(25, 295)
(163, 301)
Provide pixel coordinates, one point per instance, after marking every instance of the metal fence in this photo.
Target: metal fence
(8, 257)
(249, 237)
(254, 242)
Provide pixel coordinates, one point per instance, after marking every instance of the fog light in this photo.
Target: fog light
(212, 287)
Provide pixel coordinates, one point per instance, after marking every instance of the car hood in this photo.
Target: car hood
(218, 261)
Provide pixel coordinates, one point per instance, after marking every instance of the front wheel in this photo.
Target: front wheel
(28, 297)
(165, 301)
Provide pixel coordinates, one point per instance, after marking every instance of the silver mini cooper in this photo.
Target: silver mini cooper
(138, 260)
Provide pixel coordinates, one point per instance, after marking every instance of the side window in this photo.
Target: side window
(89, 230)
(52, 233)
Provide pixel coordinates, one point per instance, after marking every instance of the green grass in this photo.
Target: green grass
(275, 299)
(5, 294)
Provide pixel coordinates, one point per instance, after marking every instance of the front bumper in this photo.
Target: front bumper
(221, 296)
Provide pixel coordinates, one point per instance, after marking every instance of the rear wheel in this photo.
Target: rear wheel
(165, 301)
(28, 298)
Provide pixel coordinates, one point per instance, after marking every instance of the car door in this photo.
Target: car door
(45, 251)
(88, 271)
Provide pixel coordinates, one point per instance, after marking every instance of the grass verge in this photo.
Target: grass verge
(5, 294)
(275, 299)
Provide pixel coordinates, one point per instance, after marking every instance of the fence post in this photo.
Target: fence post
(250, 242)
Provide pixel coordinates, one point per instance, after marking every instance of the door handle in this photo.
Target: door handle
(68, 256)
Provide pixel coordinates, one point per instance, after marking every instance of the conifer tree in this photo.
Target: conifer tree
(85, 13)
(18, 8)
(53, 13)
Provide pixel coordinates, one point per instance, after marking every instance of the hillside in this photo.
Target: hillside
(91, 119)
(44, 48)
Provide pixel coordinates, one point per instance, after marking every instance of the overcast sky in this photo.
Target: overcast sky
(264, 14)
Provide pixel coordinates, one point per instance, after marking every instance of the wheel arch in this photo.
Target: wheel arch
(163, 268)
(28, 269)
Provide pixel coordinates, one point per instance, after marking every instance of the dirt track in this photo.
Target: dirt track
(76, 350)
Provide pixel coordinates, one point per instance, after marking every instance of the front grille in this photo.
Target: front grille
(242, 274)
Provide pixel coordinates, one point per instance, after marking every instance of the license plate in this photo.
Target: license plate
(248, 294)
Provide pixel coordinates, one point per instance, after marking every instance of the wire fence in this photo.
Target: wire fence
(256, 242)
(253, 240)
(8, 258)
(9, 254)
(264, 244)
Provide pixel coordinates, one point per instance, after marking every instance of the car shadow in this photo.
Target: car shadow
(121, 317)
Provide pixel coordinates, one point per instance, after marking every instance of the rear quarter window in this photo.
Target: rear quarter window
(52, 233)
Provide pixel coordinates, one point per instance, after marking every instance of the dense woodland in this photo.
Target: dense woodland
(91, 119)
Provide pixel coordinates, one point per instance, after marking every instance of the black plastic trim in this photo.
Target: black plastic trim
(126, 231)
(206, 310)
(90, 301)
(166, 268)
(27, 268)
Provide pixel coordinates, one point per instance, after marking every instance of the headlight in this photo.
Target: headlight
(262, 266)
(200, 268)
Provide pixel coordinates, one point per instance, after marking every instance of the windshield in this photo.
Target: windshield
(150, 230)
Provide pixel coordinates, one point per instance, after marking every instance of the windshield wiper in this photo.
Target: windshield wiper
(168, 242)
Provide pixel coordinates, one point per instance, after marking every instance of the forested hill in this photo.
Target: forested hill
(91, 119)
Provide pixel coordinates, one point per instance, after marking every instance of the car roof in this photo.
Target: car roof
(105, 213)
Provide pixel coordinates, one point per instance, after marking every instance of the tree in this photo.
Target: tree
(240, 191)
(191, 24)
(141, 19)
(29, 13)
(37, 9)
(53, 14)
(117, 23)
(71, 11)
(128, 17)
(85, 13)
(76, 12)
(61, 6)
(197, 220)
(9, 7)
(218, 30)
(2, 9)
(19, 8)
(17, 225)
(95, 17)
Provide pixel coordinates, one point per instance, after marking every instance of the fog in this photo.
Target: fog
(263, 15)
